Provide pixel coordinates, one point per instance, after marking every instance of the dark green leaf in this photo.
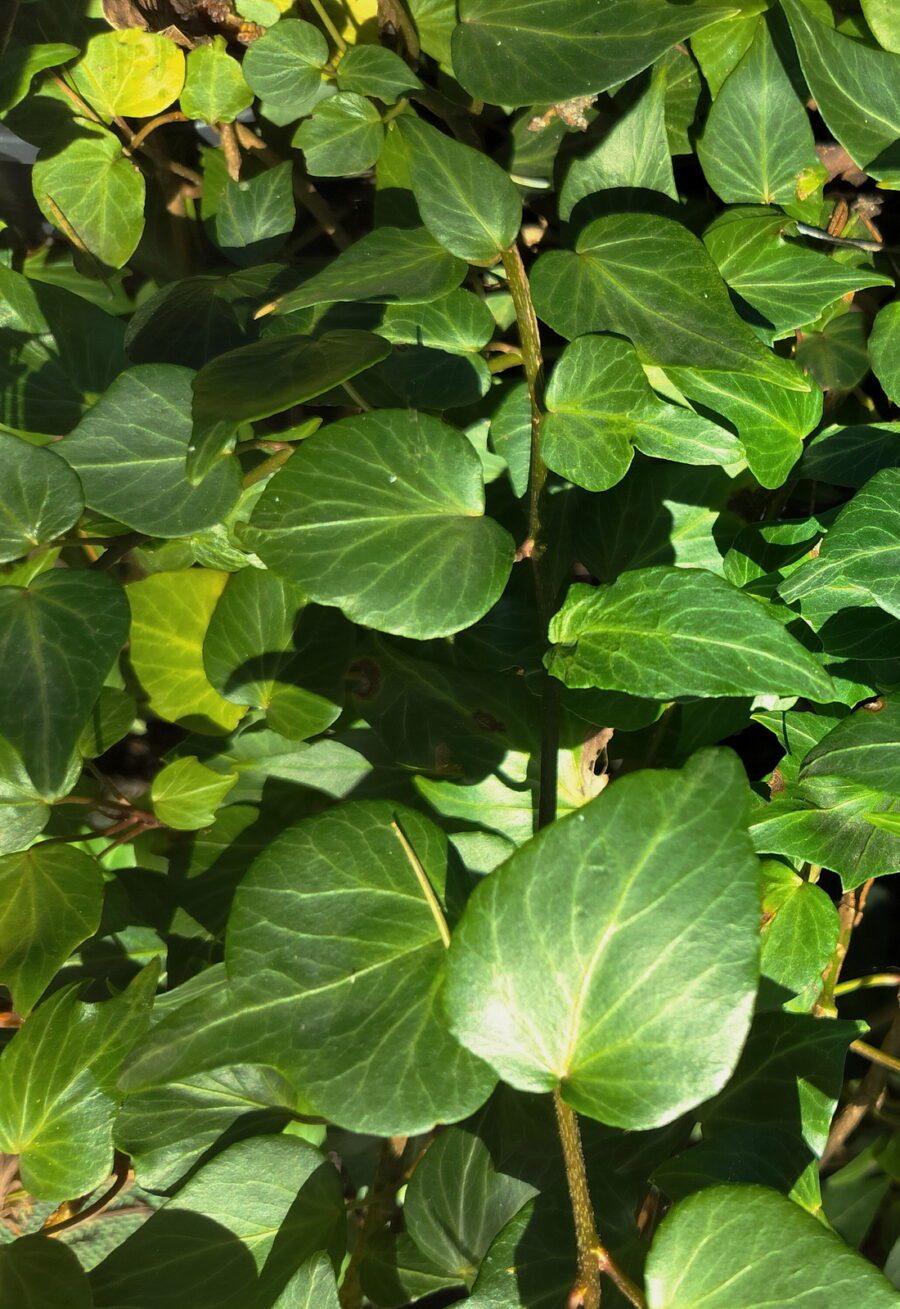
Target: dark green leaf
(849, 456)
(650, 279)
(254, 215)
(41, 500)
(858, 561)
(837, 356)
(863, 748)
(39, 1273)
(786, 284)
(58, 640)
(856, 88)
(620, 898)
(383, 516)
(266, 648)
(664, 632)
(884, 350)
(467, 202)
(372, 70)
(130, 452)
(21, 63)
(51, 897)
(633, 153)
(344, 886)
(269, 377)
(343, 136)
(520, 51)
(388, 265)
(757, 146)
(284, 67)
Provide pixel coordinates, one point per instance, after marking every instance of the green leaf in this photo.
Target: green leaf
(57, 1087)
(166, 1129)
(284, 67)
(186, 794)
(214, 90)
(342, 884)
(59, 637)
(383, 516)
(266, 648)
(621, 898)
(467, 202)
(372, 70)
(312, 1286)
(233, 1235)
(759, 1248)
(48, 380)
(459, 322)
(387, 265)
(170, 614)
(837, 356)
(267, 377)
(111, 718)
(862, 748)
(884, 21)
(856, 89)
(786, 284)
(884, 350)
(789, 1076)
(94, 194)
(343, 136)
(188, 322)
(650, 279)
(859, 561)
(720, 47)
(458, 1201)
(799, 934)
(633, 153)
(24, 809)
(757, 141)
(39, 1273)
(254, 215)
(21, 63)
(516, 52)
(129, 72)
(130, 449)
(850, 456)
(770, 422)
(41, 500)
(831, 824)
(665, 632)
(51, 896)
(599, 405)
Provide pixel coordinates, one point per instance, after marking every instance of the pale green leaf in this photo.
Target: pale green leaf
(646, 949)
(884, 350)
(186, 794)
(129, 72)
(214, 90)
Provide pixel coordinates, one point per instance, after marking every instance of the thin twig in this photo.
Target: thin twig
(231, 150)
(865, 983)
(325, 19)
(139, 137)
(379, 1207)
(122, 1177)
(847, 912)
(876, 1056)
(869, 1096)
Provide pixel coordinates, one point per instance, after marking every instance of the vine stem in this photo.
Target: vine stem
(325, 19)
(593, 1256)
(534, 546)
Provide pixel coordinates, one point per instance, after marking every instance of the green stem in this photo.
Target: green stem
(864, 983)
(7, 22)
(268, 466)
(325, 19)
(379, 1208)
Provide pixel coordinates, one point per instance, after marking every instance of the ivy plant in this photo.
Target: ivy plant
(449, 654)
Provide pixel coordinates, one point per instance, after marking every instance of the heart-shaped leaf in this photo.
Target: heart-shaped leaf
(42, 498)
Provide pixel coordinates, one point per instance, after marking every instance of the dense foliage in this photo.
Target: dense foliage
(449, 615)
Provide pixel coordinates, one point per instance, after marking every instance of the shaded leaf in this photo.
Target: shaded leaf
(343, 136)
(521, 51)
(39, 1273)
(59, 637)
(372, 70)
(884, 350)
(41, 499)
(255, 214)
(50, 901)
(862, 748)
(130, 450)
